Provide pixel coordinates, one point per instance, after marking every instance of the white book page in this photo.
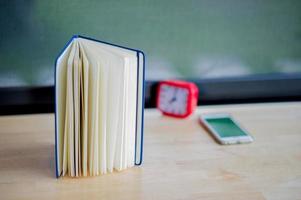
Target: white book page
(118, 147)
(84, 107)
(132, 103)
(93, 115)
(128, 139)
(102, 160)
(61, 72)
(126, 121)
(115, 114)
(70, 114)
(114, 97)
(76, 101)
(95, 119)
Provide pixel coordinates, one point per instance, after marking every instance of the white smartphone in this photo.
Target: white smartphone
(224, 129)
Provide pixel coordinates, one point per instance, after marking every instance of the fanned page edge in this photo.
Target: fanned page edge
(141, 95)
(61, 54)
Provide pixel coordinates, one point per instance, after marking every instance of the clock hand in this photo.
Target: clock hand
(174, 98)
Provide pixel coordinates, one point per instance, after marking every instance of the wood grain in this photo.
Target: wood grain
(181, 160)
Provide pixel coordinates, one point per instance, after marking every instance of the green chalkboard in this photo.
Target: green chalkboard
(191, 38)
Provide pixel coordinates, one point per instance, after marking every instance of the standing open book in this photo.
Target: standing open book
(99, 93)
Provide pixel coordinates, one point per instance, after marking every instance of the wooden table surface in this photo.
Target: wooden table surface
(181, 160)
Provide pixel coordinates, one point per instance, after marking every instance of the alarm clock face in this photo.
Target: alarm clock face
(173, 100)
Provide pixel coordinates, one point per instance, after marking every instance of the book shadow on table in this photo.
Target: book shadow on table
(36, 161)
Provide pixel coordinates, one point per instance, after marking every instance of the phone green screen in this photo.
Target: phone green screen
(225, 127)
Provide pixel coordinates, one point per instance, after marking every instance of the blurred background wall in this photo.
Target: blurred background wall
(182, 39)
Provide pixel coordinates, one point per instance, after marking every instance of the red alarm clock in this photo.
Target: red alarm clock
(177, 98)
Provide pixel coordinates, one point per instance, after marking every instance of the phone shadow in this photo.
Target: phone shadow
(208, 131)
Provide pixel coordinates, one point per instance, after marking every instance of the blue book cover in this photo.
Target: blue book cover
(99, 95)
